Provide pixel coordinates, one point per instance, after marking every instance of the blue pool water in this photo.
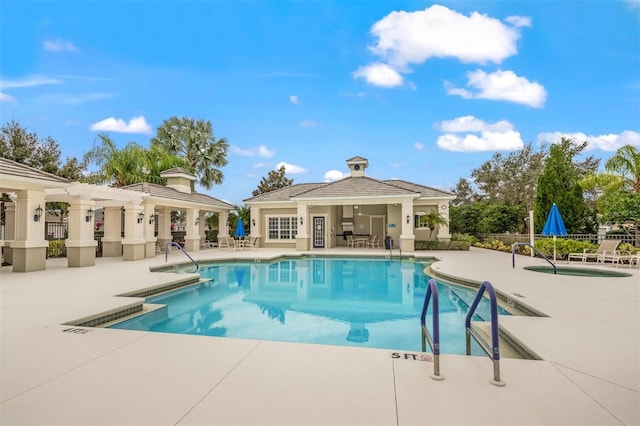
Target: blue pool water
(336, 301)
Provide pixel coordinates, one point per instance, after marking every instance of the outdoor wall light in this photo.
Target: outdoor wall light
(89, 215)
(38, 215)
(140, 217)
(408, 218)
(197, 221)
(253, 222)
(301, 220)
(152, 218)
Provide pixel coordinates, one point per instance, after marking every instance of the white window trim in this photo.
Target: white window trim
(293, 217)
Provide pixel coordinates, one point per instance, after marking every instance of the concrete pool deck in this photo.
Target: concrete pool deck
(52, 374)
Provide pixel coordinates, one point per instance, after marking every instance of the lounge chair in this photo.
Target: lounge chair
(606, 247)
(622, 257)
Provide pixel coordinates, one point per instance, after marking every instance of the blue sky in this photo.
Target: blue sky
(425, 91)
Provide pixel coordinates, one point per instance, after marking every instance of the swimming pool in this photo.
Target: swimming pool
(371, 302)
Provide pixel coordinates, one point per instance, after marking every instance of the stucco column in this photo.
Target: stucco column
(256, 222)
(164, 227)
(112, 239)
(407, 238)
(9, 230)
(443, 230)
(133, 244)
(81, 245)
(29, 247)
(302, 239)
(192, 237)
(223, 224)
(149, 228)
(202, 226)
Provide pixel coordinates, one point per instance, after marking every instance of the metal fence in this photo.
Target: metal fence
(55, 233)
(524, 238)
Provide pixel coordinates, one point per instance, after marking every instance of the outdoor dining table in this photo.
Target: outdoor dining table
(362, 240)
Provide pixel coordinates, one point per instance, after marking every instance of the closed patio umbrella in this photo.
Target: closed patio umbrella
(240, 233)
(554, 226)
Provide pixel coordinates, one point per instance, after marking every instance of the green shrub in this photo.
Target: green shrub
(442, 245)
(563, 247)
(464, 237)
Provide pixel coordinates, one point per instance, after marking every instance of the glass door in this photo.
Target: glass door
(318, 231)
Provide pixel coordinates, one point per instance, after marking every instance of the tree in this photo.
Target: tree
(22, 146)
(464, 193)
(241, 212)
(194, 141)
(558, 184)
(512, 178)
(275, 180)
(129, 165)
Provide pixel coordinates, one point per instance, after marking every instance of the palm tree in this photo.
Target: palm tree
(241, 212)
(129, 165)
(432, 219)
(622, 171)
(194, 141)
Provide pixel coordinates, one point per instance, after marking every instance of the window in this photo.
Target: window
(420, 220)
(282, 228)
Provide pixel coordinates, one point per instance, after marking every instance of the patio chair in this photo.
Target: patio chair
(223, 242)
(350, 241)
(606, 247)
(374, 242)
(251, 243)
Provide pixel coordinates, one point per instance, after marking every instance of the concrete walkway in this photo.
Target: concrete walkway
(51, 375)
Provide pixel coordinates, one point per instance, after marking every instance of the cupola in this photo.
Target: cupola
(357, 166)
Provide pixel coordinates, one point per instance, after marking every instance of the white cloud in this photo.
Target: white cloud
(260, 165)
(135, 125)
(489, 136)
(633, 3)
(487, 141)
(504, 86)
(260, 151)
(379, 74)
(290, 168)
(469, 123)
(334, 175)
(29, 81)
(438, 32)
(6, 98)
(519, 21)
(294, 99)
(609, 142)
(308, 123)
(418, 146)
(58, 45)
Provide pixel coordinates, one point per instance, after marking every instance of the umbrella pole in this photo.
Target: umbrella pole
(554, 248)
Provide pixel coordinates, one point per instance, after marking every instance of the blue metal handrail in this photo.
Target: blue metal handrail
(173, 243)
(434, 342)
(494, 351)
(513, 255)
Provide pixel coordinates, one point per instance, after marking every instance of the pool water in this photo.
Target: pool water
(372, 303)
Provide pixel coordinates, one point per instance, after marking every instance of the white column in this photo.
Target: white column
(223, 224)
(164, 226)
(302, 239)
(192, 237)
(81, 245)
(407, 238)
(133, 244)
(9, 229)
(29, 248)
(443, 230)
(149, 230)
(112, 239)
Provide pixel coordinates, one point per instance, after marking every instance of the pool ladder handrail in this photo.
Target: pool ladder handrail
(494, 351)
(173, 243)
(434, 343)
(513, 255)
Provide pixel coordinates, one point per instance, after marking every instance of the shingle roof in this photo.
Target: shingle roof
(162, 191)
(13, 168)
(425, 191)
(285, 194)
(361, 186)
